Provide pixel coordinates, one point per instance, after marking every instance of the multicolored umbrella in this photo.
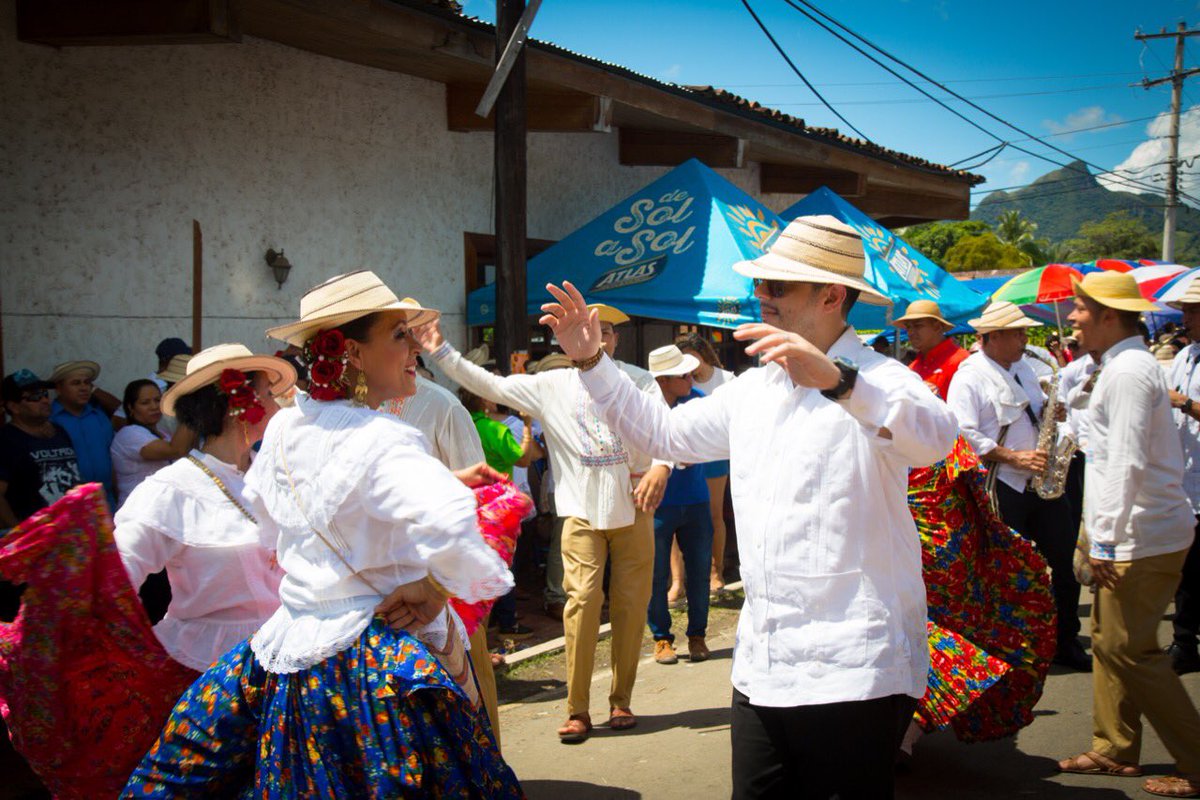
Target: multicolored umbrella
(1115, 264)
(1152, 279)
(1048, 284)
(1176, 287)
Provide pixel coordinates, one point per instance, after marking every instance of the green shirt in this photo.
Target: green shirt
(501, 449)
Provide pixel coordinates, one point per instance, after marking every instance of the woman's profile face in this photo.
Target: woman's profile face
(147, 408)
(389, 357)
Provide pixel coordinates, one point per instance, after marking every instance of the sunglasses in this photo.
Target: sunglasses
(774, 289)
(33, 397)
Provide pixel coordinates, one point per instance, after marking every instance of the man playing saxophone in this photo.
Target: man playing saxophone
(998, 402)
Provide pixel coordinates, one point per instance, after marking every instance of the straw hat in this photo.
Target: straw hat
(345, 298)
(206, 366)
(1192, 295)
(670, 360)
(176, 369)
(66, 368)
(815, 249)
(554, 361)
(479, 355)
(1117, 290)
(614, 316)
(923, 309)
(1002, 316)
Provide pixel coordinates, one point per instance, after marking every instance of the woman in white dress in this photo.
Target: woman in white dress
(141, 448)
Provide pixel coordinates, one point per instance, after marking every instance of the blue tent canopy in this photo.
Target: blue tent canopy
(665, 252)
(894, 267)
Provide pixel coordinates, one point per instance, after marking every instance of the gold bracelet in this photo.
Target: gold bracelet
(588, 363)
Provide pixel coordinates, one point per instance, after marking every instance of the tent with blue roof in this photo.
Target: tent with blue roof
(898, 270)
(665, 252)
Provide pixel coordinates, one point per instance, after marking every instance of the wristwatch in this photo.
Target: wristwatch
(844, 386)
(1187, 406)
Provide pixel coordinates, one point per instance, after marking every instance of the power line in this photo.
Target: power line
(957, 80)
(907, 100)
(800, 74)
(797, 5)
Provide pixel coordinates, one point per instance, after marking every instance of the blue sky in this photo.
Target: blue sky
(1045, 66)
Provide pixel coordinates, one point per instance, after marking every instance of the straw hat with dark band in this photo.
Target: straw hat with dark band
(344, 298)
(1002, 315)
(176, 369)
(1191, 296)
(816, 249)
(206, 367)
(923, 309)
(63, 370)
(1117, 290)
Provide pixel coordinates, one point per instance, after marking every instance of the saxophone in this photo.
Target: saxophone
(1051, 482)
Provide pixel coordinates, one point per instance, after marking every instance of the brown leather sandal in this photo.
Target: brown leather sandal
(621, 719)
(1173, 786)
(1092, 763)
(576, 729)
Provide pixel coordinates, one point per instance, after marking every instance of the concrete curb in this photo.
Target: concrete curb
(556, 645)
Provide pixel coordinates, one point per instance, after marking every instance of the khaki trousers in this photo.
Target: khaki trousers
(481, 662)
(1132, 675)
(585, 550)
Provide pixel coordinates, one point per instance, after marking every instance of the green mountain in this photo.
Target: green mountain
(1062, 200)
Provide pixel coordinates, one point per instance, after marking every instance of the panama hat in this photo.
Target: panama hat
(815, 249)
(1002, 316)
(670, 360)
(344, 298)
(206, 367)
(554, 361)
(923, 309)
(1192, 295)
(176, 369)
(66, 368)
(609, 314)
(1117, 290)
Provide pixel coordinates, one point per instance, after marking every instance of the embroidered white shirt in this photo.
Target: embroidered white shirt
(364, 481)
(835, 602)
(1185, 378)
(224, 585)
(446, 423)
(1134, 502)
(592, 465)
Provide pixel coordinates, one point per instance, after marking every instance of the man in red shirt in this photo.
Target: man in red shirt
(938, 355)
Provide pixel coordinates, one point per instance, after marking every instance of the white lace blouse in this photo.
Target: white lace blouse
(330, 473)
(223, 583)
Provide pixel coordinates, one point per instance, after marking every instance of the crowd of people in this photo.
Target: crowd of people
(912, 536)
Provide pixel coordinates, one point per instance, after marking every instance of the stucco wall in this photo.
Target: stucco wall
(107, 154)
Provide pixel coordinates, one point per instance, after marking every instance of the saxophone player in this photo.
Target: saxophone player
(998, 402)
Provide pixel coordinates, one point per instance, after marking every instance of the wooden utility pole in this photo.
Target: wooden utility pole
(1177, 77)
(512, 327)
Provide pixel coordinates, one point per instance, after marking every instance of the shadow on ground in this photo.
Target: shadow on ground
(576, 790)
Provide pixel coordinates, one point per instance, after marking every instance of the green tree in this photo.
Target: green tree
(983, 252)
(1119, 235)
(1012, 228)
(933, 239)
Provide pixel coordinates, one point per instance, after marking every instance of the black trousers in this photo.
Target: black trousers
(817, 752)
(1074, 489)
(1187, 598)
(1047, 523)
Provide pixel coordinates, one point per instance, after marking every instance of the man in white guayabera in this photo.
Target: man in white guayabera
(831, 652)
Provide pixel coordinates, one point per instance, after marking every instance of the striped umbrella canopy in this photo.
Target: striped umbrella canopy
(1115, 264)
(1176, 287)
(1152, 279)
(1048, 284)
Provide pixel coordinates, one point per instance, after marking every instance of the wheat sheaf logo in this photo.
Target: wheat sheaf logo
(754, 225)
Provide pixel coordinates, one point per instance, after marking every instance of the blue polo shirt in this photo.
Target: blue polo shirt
(92, 433)
(687, 486)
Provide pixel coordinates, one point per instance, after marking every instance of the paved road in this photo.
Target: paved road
(680, 749)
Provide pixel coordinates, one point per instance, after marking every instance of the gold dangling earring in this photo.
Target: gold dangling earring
(360, 389)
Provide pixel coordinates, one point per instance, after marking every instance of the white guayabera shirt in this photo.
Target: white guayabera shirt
(835, 602)
(446, 423)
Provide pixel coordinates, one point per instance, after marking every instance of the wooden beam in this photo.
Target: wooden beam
(791, 179)
(890, 204)
(646, 148)
(556, 111)
(69, 23)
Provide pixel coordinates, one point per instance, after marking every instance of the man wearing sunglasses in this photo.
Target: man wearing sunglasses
(38, 463)
(831, 654)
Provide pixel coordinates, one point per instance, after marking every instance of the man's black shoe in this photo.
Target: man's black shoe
(1071, 654)
(1184, 659)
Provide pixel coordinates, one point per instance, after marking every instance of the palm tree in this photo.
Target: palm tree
(1014, 229)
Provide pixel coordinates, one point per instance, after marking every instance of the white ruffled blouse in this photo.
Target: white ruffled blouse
(330, 474)
(223, 583)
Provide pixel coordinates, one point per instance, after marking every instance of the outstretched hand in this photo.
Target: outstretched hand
(479, 475)
(576, 327)
(429, 336)
(805, 363)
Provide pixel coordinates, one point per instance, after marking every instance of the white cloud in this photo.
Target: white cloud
(1088, 117)
(1147, 163)
(1018, 172)
(671, 73)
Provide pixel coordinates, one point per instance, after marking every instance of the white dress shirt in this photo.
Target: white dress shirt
(436, 412)
(224, 585)
(593, 469)
(830, 557)
(985, 397)
(1134, 501)
(1185, 378)
(366, 482)
(1071, 381)
(129, 467)
(719, 377)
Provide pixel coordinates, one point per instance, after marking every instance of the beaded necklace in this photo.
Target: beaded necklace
(221, 485)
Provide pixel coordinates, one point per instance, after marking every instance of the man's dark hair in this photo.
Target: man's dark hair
(203, 410)
(471, 401)
(851, 299)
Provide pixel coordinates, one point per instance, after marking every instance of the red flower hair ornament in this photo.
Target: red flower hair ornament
(243, 400)
(325, 355)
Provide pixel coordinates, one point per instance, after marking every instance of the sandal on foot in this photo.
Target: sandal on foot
(1172, 786)
(576, 729)
(621, 719)
(1092, 763)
